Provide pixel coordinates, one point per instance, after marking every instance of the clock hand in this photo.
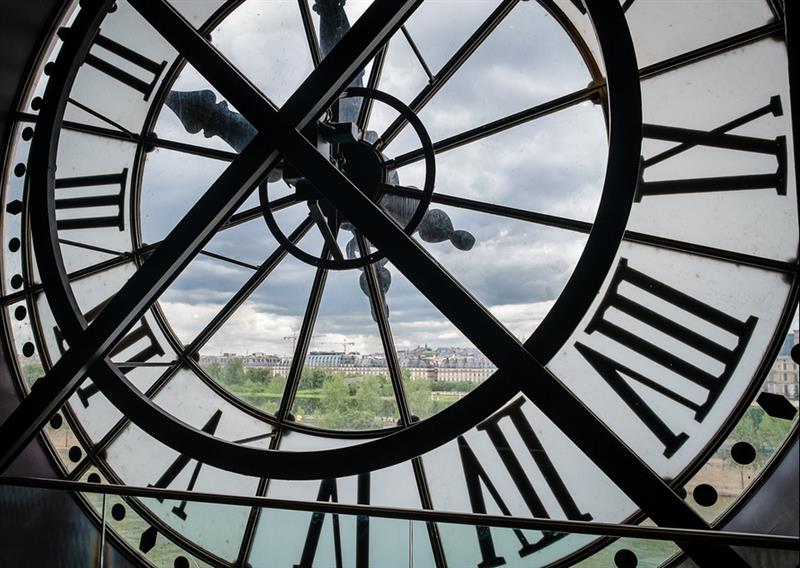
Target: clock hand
(199, 110)
(90, 345)
(333, 25)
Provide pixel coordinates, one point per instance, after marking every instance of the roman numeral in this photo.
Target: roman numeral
(146, 65)
(612, 371)
(475, 474)
(180, 463)
(93, 218)
(141, 332)
(717, 138)
(328, 491)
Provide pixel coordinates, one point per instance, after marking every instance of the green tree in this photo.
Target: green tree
(214, 370)
(259, 376)
(234, 373)
(313, 378)
(368, 396)
(419, 398)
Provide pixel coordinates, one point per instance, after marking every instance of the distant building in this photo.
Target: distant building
(422, 363)
(788, 343)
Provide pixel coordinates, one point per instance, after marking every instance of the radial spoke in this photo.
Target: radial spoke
(373, 81)
(228, 259)
(102, 117)
(712, 49)
(311, 33)
(417, 53)
(448, 70)
(303, 340)
(493, 209)
(315, 213)
(500, 125)
(149, 141)
(245, 291)
(586, 227)
(377, 300)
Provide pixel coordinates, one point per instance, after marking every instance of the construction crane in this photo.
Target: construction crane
(293, 338)
(344, 343)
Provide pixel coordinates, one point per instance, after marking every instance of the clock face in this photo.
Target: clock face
(530, 263)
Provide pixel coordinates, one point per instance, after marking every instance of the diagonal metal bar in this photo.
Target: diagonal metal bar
(202, 221)
(500, 125)
(377, 300)
(417, 53)
(303, 340)
(228, 259)
(373, 81)
(449, 69)
(311, 32)
(494, 209)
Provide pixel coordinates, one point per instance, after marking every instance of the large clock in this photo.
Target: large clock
(525, 259)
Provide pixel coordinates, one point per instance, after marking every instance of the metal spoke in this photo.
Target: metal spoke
(150, 140)
(710, 50)
(316, 215)
(493, 209)
(377, 300)
(245, 291)
(311, 33)
(417, 53)
(373, 81)
(500, 125)
(303, 341)
(448, 70)
(586, 227)
(228, 259)
(102, 117)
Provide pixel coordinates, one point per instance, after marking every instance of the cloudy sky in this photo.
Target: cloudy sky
(553, 165)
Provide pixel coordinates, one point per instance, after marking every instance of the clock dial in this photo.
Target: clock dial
(308, 255)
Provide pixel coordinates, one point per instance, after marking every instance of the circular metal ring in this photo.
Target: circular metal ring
(412, 224)
(625, 123)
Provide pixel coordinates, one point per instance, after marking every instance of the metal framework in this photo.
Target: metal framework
(161, 262)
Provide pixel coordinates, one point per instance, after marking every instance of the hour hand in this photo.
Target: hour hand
(199, 110)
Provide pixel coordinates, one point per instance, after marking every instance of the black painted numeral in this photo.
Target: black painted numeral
(612, 371)
(141, 332)
(92, 219)
(716, 138)
(146, 65)
(180, 463)
(328, 491)
(475, 475)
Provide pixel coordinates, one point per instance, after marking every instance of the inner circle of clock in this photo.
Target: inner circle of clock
(292, 311)
(357, 154)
